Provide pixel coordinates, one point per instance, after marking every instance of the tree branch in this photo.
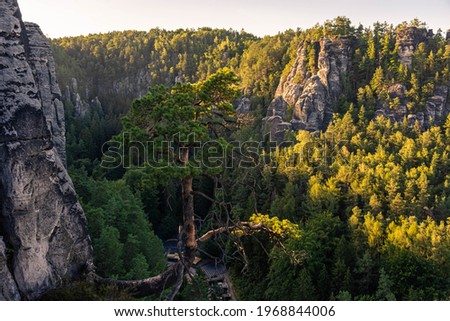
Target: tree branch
(244, 226)
(174, 275)
(212, 200)
(145, 287)
(178, 284)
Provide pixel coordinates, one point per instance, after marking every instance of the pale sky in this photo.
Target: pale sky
(59, 18)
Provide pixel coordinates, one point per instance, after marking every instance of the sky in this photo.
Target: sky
(59, 18)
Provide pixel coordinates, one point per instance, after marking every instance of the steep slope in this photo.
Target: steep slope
(402, 78)
(310, 91)
(408, 40)
(42, 64)
(42, 225)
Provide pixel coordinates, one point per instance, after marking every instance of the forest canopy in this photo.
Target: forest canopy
(359, 211)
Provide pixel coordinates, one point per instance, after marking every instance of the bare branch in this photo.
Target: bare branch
(244, 226)
(174, 275)
(145, 287)
(178, 284)
(212, 200)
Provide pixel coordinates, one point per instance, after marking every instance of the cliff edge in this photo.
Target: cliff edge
(43, 231)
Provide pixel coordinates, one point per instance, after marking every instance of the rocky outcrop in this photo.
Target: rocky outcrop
(136, 85)
(407, 40)
(243, 105)
(42, 64)
(80, 105)
(310, 95)
(437, 107)
(41, 222)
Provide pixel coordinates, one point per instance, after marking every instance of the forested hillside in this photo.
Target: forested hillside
(354, 198)
(100, 75)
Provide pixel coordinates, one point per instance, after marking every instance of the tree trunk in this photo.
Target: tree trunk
(174, 273)
(188, 232)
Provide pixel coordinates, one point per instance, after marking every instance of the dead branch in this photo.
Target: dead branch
(243, 226)
(174, 275)
(212, 200)
(145, 287)
(178, 284)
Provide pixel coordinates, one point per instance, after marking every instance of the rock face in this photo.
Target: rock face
(437, 107)
(242, 105)
(42, 64)
(435, 111)
(42, 225)
(81, 106)
(407, 41)
(8, 288)
(310, 95)
(307, 97)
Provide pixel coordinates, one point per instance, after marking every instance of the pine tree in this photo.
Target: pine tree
(185, 115)
(305, 289)
(109, 253)
(377, 81)
(384, 292)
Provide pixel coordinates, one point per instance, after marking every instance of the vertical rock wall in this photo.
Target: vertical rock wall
(8, 288)
(306, 100)
(311, 96)
(43, 228)
(42, 64)
(407, 41)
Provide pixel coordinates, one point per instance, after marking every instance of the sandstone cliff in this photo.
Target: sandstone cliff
(43, 232)
(435, 110)
(436, 107)
(310, 95)
(80, 103)
(407, 41)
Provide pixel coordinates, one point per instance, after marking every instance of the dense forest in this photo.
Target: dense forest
(116, 68)
(359, 211)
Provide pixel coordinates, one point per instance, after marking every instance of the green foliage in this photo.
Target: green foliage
(186, 116)
(163, 55)
(340, 26)
(196, 289)
(263, 62)
(109, 252)
(281, 228)
(374, 220)
(250, 279)
(359, 212)
(384, 292)
(124, 243)
(117, 67)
